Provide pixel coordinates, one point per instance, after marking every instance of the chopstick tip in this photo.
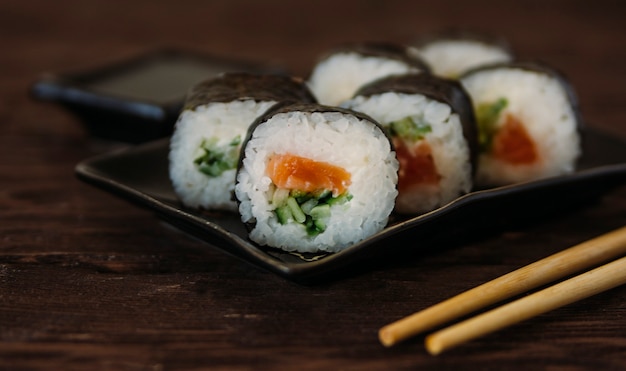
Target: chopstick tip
(433, 346)
(386, 337)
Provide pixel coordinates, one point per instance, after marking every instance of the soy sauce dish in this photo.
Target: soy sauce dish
(137, 99)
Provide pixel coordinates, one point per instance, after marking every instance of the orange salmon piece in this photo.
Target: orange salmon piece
(417, 165)
(294, 172)
(512, 143)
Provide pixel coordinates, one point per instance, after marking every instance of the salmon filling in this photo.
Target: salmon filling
(417, 166)
(294, 172)
(510, 142)
(513, 144)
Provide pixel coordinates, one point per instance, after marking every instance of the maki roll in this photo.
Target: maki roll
(342, 71)
(315, 178)
(450, 54)
(432, 126)
(528, 122)
(204, 148)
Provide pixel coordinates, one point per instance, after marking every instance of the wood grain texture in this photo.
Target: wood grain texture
(89, 281)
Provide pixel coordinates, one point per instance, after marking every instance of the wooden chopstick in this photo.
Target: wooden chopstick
(573, 260)
(580, 287)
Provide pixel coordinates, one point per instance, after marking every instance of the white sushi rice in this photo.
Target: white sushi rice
(541, 103)
(343, 140)
(450, 58)
(338, 77)
(225, 121)
(450, 150)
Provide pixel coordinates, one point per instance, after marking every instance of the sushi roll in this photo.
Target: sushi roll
(205, 144)
(450, 54)
(432, 126)
(315, 178)
(528, 122)
(342, 71)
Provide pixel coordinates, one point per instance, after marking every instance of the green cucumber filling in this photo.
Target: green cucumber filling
(214, 159)
(410, 128)
(311, 210)
(487, 116)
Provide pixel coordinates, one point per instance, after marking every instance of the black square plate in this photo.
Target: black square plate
(125, 174)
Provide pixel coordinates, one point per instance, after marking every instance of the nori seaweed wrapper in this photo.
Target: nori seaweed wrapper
(447, 91)
(230, 87)
(387, 50)
(309, 107)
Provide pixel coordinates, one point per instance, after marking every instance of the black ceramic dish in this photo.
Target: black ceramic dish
(138, 99)
(140, 175)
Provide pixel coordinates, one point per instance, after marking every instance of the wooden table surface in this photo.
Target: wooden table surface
(90, 281)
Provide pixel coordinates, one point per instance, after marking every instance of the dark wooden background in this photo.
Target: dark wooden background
(89, 281)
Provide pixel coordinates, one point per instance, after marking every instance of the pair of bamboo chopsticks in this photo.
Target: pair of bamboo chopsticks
(567, 262)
